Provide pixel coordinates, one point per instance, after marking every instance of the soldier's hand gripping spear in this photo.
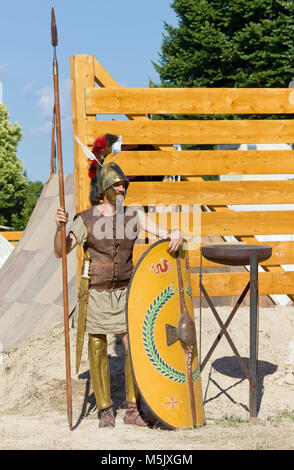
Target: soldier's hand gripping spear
(54, 41)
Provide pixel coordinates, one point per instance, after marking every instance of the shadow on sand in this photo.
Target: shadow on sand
(229, 366)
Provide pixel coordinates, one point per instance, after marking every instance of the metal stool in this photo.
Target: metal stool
(239, 255)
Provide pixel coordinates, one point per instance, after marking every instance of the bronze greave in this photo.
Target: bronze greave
(99, 370)
(132, 394)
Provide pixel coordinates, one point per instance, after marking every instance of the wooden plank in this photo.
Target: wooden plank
(195, 131)
(239, 223)
(279, 269)
(14, 235)
(282, 253)
(189, 100)
(206, 162)
(102, 77)
(82, 75)
(247, 223)
(227, 284)
(210, 192)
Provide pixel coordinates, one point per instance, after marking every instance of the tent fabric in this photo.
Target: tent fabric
(31, 290)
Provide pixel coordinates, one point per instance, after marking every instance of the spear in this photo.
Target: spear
(53, 146)
(54, 41)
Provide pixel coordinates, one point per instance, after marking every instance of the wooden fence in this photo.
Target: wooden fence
(95, 92)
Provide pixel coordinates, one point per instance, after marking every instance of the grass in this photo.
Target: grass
(230, 420)
(277, 418)
(281, 415)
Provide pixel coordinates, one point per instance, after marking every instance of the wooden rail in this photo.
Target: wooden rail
(233, 283)
(238, 223)
(283, 253)
(195, 132)
(189, 101)
(211, 192)
(206, 162)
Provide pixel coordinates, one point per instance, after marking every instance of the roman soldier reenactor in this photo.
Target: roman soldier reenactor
(107, 231)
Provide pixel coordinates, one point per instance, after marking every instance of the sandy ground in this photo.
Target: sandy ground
(33, 398)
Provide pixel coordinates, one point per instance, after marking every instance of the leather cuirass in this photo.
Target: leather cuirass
(110, 243)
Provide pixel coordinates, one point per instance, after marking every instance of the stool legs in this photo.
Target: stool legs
(252, 372)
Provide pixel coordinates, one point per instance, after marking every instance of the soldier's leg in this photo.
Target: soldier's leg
(132, 394)
(133, 414)
(100, 377)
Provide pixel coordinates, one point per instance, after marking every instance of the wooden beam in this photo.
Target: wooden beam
(188, 100)
(247, 223)
(236, 223)
(282, 253)
(82, 75)
(210, 193)
(227, 284)
(195, 132)
(206, 162)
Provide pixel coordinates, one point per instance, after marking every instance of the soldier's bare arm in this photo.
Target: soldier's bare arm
(176, 236)
(71, 242)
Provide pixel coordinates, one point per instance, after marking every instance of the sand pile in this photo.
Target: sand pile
(33, 389)
(33, 375)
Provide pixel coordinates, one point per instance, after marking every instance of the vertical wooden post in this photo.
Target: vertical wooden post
(82, 76)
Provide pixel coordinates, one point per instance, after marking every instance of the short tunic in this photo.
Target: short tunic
(106, 311)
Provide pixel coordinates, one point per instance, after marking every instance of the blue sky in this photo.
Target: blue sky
(124, 36)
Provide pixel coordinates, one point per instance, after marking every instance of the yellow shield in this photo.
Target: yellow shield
(158, 358)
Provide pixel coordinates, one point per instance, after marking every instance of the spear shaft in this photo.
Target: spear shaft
(54, 41)
(53, 155)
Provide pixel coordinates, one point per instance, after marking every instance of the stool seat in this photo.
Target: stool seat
(235, 255)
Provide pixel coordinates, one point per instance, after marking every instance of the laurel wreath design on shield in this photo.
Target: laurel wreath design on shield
(188, 291)
(149, 343)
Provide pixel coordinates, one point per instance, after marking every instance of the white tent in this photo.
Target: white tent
(5, 249)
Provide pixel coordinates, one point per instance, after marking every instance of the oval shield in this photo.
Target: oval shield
(162, 337)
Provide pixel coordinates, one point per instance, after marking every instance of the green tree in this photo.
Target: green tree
(33, 192)
(228, 43)
(13, 184)
(18, 196)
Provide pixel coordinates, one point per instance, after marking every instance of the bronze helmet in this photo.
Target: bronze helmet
(103, 178)
(107, 176)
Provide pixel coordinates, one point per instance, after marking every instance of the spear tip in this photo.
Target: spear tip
(54, 38)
